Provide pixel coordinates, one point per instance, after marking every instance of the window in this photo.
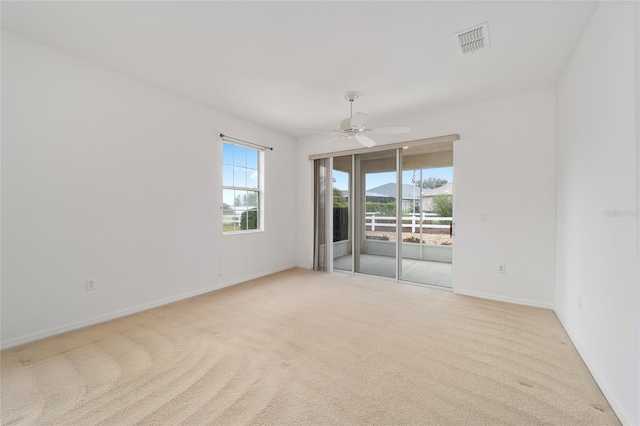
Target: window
(241, 188)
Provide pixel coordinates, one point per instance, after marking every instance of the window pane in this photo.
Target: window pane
(252, 159)
(252, 199)
(227, 153)
(256, 224)
(252, 215)
(227, 198)
(252, 178)
(240, 177)
(241, 188)
(239, 198)
(228, 211)
(239, 156)
(227, 175)
(252, 219)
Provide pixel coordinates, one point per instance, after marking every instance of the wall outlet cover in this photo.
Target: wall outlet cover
(91, 284)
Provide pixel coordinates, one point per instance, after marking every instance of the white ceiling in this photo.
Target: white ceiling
(286, 64)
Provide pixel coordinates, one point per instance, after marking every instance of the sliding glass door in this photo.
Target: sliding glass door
(342, 212)
(376, 180)
(387, 213)
(321, 224)
(427, 217)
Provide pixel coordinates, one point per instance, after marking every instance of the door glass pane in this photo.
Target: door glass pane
(320, 234)
(342, 252)
(427, 217)
(376, 179)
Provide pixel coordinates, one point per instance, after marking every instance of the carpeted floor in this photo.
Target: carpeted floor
(303, 347)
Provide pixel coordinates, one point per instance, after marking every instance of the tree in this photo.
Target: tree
(443, 205)
(339, 200)
(252, 199)
(433, 182)
(248, 199)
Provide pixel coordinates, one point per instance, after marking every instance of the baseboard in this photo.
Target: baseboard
(498, 298)
(32, 337)
(623, 416)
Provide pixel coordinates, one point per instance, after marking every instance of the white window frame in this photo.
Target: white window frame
(259, 190)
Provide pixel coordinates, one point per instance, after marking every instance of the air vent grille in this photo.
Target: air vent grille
(474, 38)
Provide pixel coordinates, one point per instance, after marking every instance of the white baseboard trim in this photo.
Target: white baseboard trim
(498, 298)
(623, 416)
(32, 337)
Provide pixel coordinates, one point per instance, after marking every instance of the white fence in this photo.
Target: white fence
(413, 221)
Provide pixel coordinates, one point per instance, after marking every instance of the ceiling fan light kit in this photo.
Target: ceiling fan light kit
(354, 126)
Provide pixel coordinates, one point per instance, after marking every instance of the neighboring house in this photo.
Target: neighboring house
(388, 193)
(375, 197)
(429, 194)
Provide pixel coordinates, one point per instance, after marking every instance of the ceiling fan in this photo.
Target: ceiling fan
(354, 126)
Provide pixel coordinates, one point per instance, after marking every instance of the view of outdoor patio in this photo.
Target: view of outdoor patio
(426, 208)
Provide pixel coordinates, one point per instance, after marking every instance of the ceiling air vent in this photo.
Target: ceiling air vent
(474, 38)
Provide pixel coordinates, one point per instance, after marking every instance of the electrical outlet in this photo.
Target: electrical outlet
(483, 217)
(91, 284)
(502, 269)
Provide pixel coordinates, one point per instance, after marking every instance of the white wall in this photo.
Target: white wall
(105, 176)
(504, 167)
(597, 264)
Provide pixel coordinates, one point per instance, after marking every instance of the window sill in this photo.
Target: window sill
(248, 231)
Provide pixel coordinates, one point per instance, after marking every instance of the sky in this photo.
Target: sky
(377, 179)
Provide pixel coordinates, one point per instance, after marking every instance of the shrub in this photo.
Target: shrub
(443, 205)
(384, 209)
(249, 219)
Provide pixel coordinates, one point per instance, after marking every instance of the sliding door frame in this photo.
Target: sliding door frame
(398, 213)
(356, 205)
(443, 141)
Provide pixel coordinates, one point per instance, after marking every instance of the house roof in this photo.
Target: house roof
(389, 190)
(444, 189)
(345, 193)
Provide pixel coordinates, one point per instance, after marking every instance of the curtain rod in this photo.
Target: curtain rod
(229, 138)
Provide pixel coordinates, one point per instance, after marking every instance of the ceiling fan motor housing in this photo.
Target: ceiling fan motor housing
(345, 124)
(350, 134)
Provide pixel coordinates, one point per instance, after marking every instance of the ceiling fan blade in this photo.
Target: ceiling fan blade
(362, 139)
(389, 130)
(330, 140)
(358, 120)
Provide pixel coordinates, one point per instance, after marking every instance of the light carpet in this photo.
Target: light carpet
(308, 348)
